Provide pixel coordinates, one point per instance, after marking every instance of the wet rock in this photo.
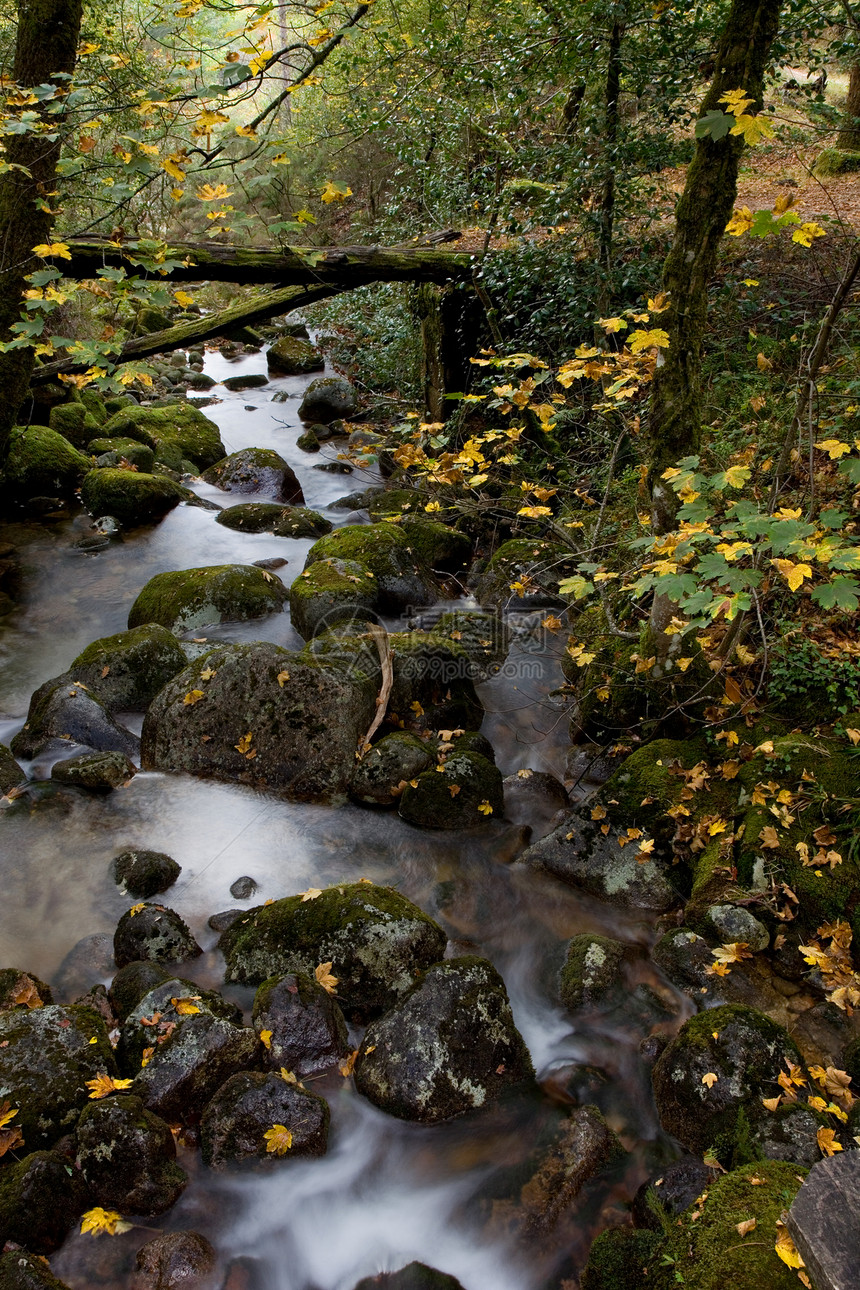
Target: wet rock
(673, 1191)
(41, 462)
(436, 674)
(430, 804)
(734, 923)
(578, 853)
(247, 1106)
(327, 399)
(403, 580)
(383, 772)
(133, 982)
(177, 432)
(145, 873)
(63, 709)
(583, 1145)
(536, 564)
(40, 1199)
(252, 381)
(89, 959)
(201, 381)
(790, 1133)
(243, 888)
(99, 772)
(129, 669)
(185, 1260)
(256, 470)
(448, 1047)
(11, 774)
(822, 1222)
(330, 593)
(159, 1011)
(535, 798)
(127, 1157)
(267, 517)
(686, 959)
(334, 467)
(294, 329)
(293, 356)
(375, 939)
(130, 496)
(22, 990)
(226, 918)
(592, 970)
(415, 1276)
(97, 999)
(119, 449)
(22, 1271)
(301, 719)
(308, 442)
(274, 562)
(484, 637)
(747, 1055)
(306, 1028)
(46, 1057)
(153, 932)
(192, 598)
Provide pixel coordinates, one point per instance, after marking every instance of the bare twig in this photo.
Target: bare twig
(380, 636)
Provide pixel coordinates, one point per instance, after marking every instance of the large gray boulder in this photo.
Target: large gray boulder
(248, 1106)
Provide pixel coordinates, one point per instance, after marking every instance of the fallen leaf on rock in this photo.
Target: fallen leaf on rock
(27, 995)
(193, 696)
(748, 1225)
(208, 674)
(311, 893)
(347, 1066)
(826, 1139)
(710, 1079)
(135, 909)
(786, 1248)
(244, 744)
(266, 1038)
(103, 1085)
(278, 1140)
(282, 677)
(186, 1006)
(323, 974)
(485, 808)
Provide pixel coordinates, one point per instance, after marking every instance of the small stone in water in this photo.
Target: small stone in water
(220, 922)
(275, 562)
(243, 887)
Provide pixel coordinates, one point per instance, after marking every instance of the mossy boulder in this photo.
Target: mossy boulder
(307, 1031)
(484, 638)
(256, 470)
(22, 990)
(145, 873)
(293, 356)
(308, 441)
(592, 970)
(245, 1108)
(153, 932)
(265, 717)
(22, 1271)
(537, 565)
(836, 161)
(622, 1259)
(46, 1057)
(327, 399)
(42, 463)
(127, 1157)
(136, 454)
(747, 1055)
(157, 1012)
(383, 772)
(131, 983)
(686, 959)
(415, 1276)
(150, 319)
(74, 422)
(11, 774)
(177, 431)
(449, 1047)
(40, 1199)
(437, 546)
(64, 709)
(99, 772)
(404, 581)
(331, 593)
(383, 502)
(267, 517)
(129, 496)
(429, 803)
(95, 405)
(130, 668)
(188, 599)
(375, 939)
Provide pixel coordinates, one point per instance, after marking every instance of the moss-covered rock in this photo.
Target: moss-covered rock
(403, 579)
(129, 496)
(268, 517)
(621, 1259)
(193, 598)
(40, 1199)
(306, 1029)
(333, 592)
(256, 470)
(63, 709)
(127, 1157)
(130, 668)
(429, 803)
(743, 1048)
(153, 932)
(592, 970)
(293, 356)
(22, 990)
(22, 1271)
(286, 722)
(433, 684)
(375, 939)
(327, 399)
(46, 1057)
(383, 772)
(157, 1013)
(177, 431)
(308, 441)
(383, 502)
(438, 546)
(11, 773)
(99, 772)
(42, 463)
(135, 453)
(131, 983)
(235, 1122)
(835, 161)
(95, 405)
(74, 422)
(150, 319)
(145, 873)
(448, 1047)
(536, 565)
(484, 638)
(686, 959)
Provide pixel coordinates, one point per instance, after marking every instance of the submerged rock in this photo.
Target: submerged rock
(99, 771)
(375, 939)
(129, 669)
(64, 709)
(268, 517)
(192, 598)
(127, 1157)
(145, 873)
(448, 1047)
(256, 470)
(153, 932)
(40, 1199)
(130, 497)
(304, 1025)
(248, 1106)
(583, 1144)
(329, 398)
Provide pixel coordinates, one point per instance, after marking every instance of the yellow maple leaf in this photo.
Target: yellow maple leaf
(186, 1006)
(771, 1103)
(98, 1221)
(710, 1079)
(311, 894)
(485, 808)
(59, 250)
(740, 222)
(323, 975)
(208, 673)
(794, 574)
(103, 1085)
(213, 193)
(282, 677)
(834, 448)
(173, 168)
(183, 298)
(7, 1113)
(752, 129)
(136, 909)
(333, 192)
(192, 697)
(266, 1038)
(806, 234)
(347, 1066)
(278, 1140)
(736, 101)
(826, 1139)
(534, 512)
(657, 338)
(786, 1249)
(244, 743)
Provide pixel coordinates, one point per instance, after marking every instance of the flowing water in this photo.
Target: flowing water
(387, 1192)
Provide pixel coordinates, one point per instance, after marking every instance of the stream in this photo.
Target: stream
(387, 1192)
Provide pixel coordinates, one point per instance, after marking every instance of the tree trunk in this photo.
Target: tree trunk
(704, 209)
(46, 44)
(848, 138)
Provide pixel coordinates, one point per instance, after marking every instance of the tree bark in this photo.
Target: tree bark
(848, 138)
(46, 44)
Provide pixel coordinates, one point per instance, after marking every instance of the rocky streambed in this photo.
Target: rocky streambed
(276, 1015)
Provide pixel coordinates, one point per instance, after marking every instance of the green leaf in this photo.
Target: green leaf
(714, 125)
(841, 593)
(850, 466)
(576, 586)
(713, 565)
(833, 519)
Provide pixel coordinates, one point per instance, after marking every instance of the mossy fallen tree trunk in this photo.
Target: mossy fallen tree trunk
(206, 327)
(344, 266)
